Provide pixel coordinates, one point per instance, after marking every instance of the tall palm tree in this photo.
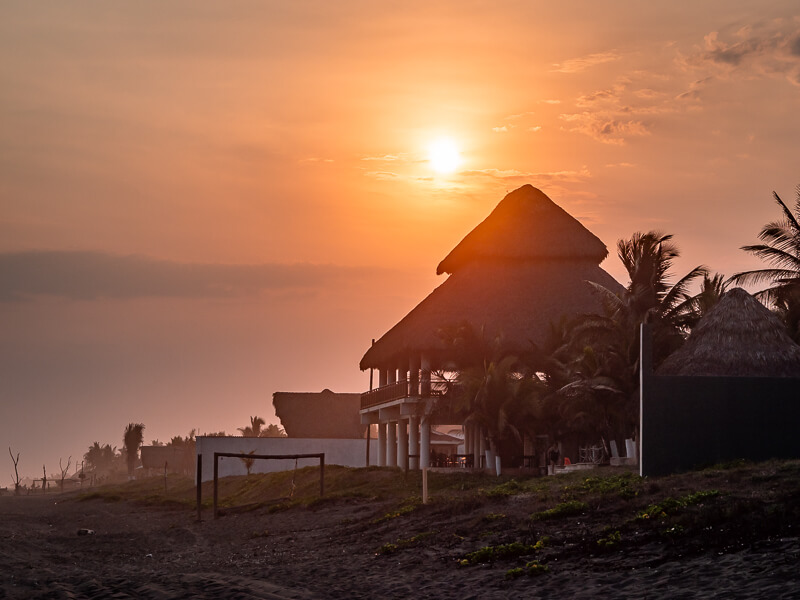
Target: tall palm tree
(649, 296)
(254, 429)
(131, 442)
(780, 249)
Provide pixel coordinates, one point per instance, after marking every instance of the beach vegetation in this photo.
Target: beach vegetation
(565, 509)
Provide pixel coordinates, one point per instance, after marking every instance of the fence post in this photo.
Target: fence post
(199, 486)
(216, 473)
(321, 475)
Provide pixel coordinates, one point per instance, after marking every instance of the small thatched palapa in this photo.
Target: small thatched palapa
(739, 337)
(524, 267)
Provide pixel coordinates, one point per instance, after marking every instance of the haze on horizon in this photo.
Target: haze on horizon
(242, 195)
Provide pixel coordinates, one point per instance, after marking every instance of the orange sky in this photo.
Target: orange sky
(293, 135)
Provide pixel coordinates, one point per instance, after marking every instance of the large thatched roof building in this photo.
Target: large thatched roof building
(520, 270)
(524, 267)
(739, 337)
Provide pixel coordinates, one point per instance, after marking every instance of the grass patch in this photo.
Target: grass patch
(565, 509)
(670, 506)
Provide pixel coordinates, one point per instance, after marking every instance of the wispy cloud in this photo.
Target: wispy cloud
(93, 275)
(502, 129)
(576, 65)
(771, 48)
(386, 157)
(515, 175)
(604, 128)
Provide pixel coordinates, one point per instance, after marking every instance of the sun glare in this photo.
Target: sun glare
(443, 155)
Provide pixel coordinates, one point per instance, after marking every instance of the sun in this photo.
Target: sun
(443, 155)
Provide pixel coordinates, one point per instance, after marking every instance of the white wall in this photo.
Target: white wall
(345, 452)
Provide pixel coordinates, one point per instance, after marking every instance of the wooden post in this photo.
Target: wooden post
(321, 475)
(199, 486)
(425, 485)
(216, 474)
(369, 437)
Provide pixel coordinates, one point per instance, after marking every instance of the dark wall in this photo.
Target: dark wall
(695, 421)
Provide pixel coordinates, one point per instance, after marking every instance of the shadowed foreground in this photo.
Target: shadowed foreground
(720, 533)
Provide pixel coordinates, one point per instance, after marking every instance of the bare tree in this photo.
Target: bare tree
(16, 471)
(44, 480)
(64, 471)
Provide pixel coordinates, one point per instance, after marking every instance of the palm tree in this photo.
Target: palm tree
(131, 441)
(711, 291)
(254, 429)
(273, 431)
(781, 249)
(649, 297)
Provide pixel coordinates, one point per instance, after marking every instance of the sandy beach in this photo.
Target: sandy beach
(741, 543)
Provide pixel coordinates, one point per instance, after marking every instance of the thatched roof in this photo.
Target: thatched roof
(324, 414)
(525, 225)
(739, 337)
(515, 292)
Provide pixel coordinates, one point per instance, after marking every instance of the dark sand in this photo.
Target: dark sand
(331, 551)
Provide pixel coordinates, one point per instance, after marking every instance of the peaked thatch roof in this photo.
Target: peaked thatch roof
(739, 337)
(515, 292)
(525, 225)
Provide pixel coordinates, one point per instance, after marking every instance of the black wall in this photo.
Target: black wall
(695, 421)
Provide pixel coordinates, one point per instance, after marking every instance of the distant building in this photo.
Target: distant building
(324, 414)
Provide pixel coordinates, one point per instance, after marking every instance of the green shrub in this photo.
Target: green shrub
(565, 509)
(489, 554)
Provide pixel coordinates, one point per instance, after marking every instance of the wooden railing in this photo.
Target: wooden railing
(396, 391)
(387, 393)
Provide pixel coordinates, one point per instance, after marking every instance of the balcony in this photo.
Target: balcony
(400, 390)
(387, 393)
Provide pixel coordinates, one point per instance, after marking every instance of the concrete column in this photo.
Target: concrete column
(402, 444)
(425, 443)
(382, 376)
(381, 444)
(391, 445)
(413, 441)
(414, 372)
(425, 377)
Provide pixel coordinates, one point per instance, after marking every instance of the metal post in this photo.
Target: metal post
(321, 475)
(199, 486)
(216, 473)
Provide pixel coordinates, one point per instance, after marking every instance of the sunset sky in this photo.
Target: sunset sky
(202, 203)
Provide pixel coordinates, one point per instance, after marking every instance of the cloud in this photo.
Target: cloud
(770, 49)
(316, 159)
(535, 128)
(503, 129)
(576, 65)
(386, 157)
(604, 128)
(515, 175)
(384, 175)
(93, 275)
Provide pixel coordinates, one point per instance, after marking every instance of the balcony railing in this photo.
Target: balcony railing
(397, 391)
(387, 393)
